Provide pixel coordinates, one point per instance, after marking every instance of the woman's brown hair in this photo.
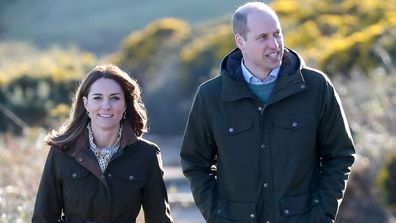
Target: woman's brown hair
(77, 122)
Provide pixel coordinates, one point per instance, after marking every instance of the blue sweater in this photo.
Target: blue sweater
(262, 91)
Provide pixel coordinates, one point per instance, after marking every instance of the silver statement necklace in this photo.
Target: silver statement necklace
(103, 154)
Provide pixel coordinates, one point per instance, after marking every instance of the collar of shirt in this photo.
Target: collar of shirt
(251, 79)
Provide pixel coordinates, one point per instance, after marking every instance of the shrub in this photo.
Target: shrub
(386, 182)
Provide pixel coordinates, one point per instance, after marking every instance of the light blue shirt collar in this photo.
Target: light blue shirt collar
(251, 79)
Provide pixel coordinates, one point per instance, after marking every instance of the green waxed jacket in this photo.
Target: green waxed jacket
(284, 161)
(73, 184)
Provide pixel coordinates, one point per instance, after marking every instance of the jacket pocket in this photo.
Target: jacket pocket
(128, 187)
(75, 173)
(237, 126)
(296, 135)
(299, 208)
(229, 211)
(293, 122)
(130, 175)
(77, 187)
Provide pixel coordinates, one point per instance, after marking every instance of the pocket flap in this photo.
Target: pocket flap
(131, 175)
(234, 128)
(237, 211)
(293, 122)
(297, 204)
(75, 173)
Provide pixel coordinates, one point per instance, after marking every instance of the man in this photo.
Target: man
(266, 140)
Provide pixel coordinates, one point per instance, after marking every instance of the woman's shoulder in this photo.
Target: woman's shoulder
(146, 145)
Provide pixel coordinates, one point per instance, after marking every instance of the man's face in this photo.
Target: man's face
(263, 47)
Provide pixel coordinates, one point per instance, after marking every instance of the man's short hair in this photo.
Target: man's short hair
(239, 19)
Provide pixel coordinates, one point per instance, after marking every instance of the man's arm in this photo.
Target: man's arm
(336, 150)
(197, 156)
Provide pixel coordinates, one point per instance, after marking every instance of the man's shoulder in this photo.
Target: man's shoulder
(211, 85)
(312, 74)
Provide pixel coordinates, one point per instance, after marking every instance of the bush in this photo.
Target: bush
(33, 83)
(386, 183)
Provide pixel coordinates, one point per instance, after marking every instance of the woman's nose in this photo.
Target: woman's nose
(106, 104)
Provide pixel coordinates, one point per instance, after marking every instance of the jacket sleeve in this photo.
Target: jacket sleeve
(155, 202)
(336, 149)
(48, 203)
(198, 156)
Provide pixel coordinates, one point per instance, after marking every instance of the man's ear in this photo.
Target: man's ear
(239, 40)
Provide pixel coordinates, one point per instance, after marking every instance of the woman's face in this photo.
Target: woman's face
(105, 103)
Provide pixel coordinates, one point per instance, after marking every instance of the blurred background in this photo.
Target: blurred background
(170, 48)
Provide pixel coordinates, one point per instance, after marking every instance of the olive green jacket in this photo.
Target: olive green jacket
(284, 161)
(73, 184)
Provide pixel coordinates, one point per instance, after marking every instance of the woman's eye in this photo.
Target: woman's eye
(115, 98)
(96, 98)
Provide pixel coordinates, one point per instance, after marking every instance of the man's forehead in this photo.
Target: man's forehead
(262, 23)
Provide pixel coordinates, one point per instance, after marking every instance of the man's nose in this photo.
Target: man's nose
(273, 42)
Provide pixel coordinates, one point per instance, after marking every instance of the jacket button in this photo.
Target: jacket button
(252, 216)
(74, 175)
(286, 212)
(302, 86)
(262, 146)
(130, 177)
(266, 185)
(294, 124)
(260, 108)
(267, 222)
(109, 175)
(80, 159)
(219, 211)
(316, 201)
(231, 129)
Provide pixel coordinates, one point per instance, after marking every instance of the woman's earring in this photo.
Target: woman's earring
(124, 115)
(89, 115)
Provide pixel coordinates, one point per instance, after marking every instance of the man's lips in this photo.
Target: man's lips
(273, 56)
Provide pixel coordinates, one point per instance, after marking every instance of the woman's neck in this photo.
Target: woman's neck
(105, 138)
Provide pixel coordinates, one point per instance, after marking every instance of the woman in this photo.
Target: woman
(98, 168)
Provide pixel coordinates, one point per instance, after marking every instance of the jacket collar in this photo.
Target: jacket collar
(128, 137)
(78, 151)
(234, 87)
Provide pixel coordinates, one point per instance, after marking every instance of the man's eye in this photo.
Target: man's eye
(262, 37)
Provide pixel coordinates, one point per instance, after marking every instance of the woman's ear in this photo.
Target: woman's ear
(85, 100)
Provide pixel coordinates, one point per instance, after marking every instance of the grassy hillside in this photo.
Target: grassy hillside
(97, 25)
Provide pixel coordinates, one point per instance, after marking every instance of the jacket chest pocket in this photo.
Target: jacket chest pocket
(127, 186)
(234, 136)
(232, 132)
(125, 177)
(293, 122)
(77, 188)
(293, 132)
